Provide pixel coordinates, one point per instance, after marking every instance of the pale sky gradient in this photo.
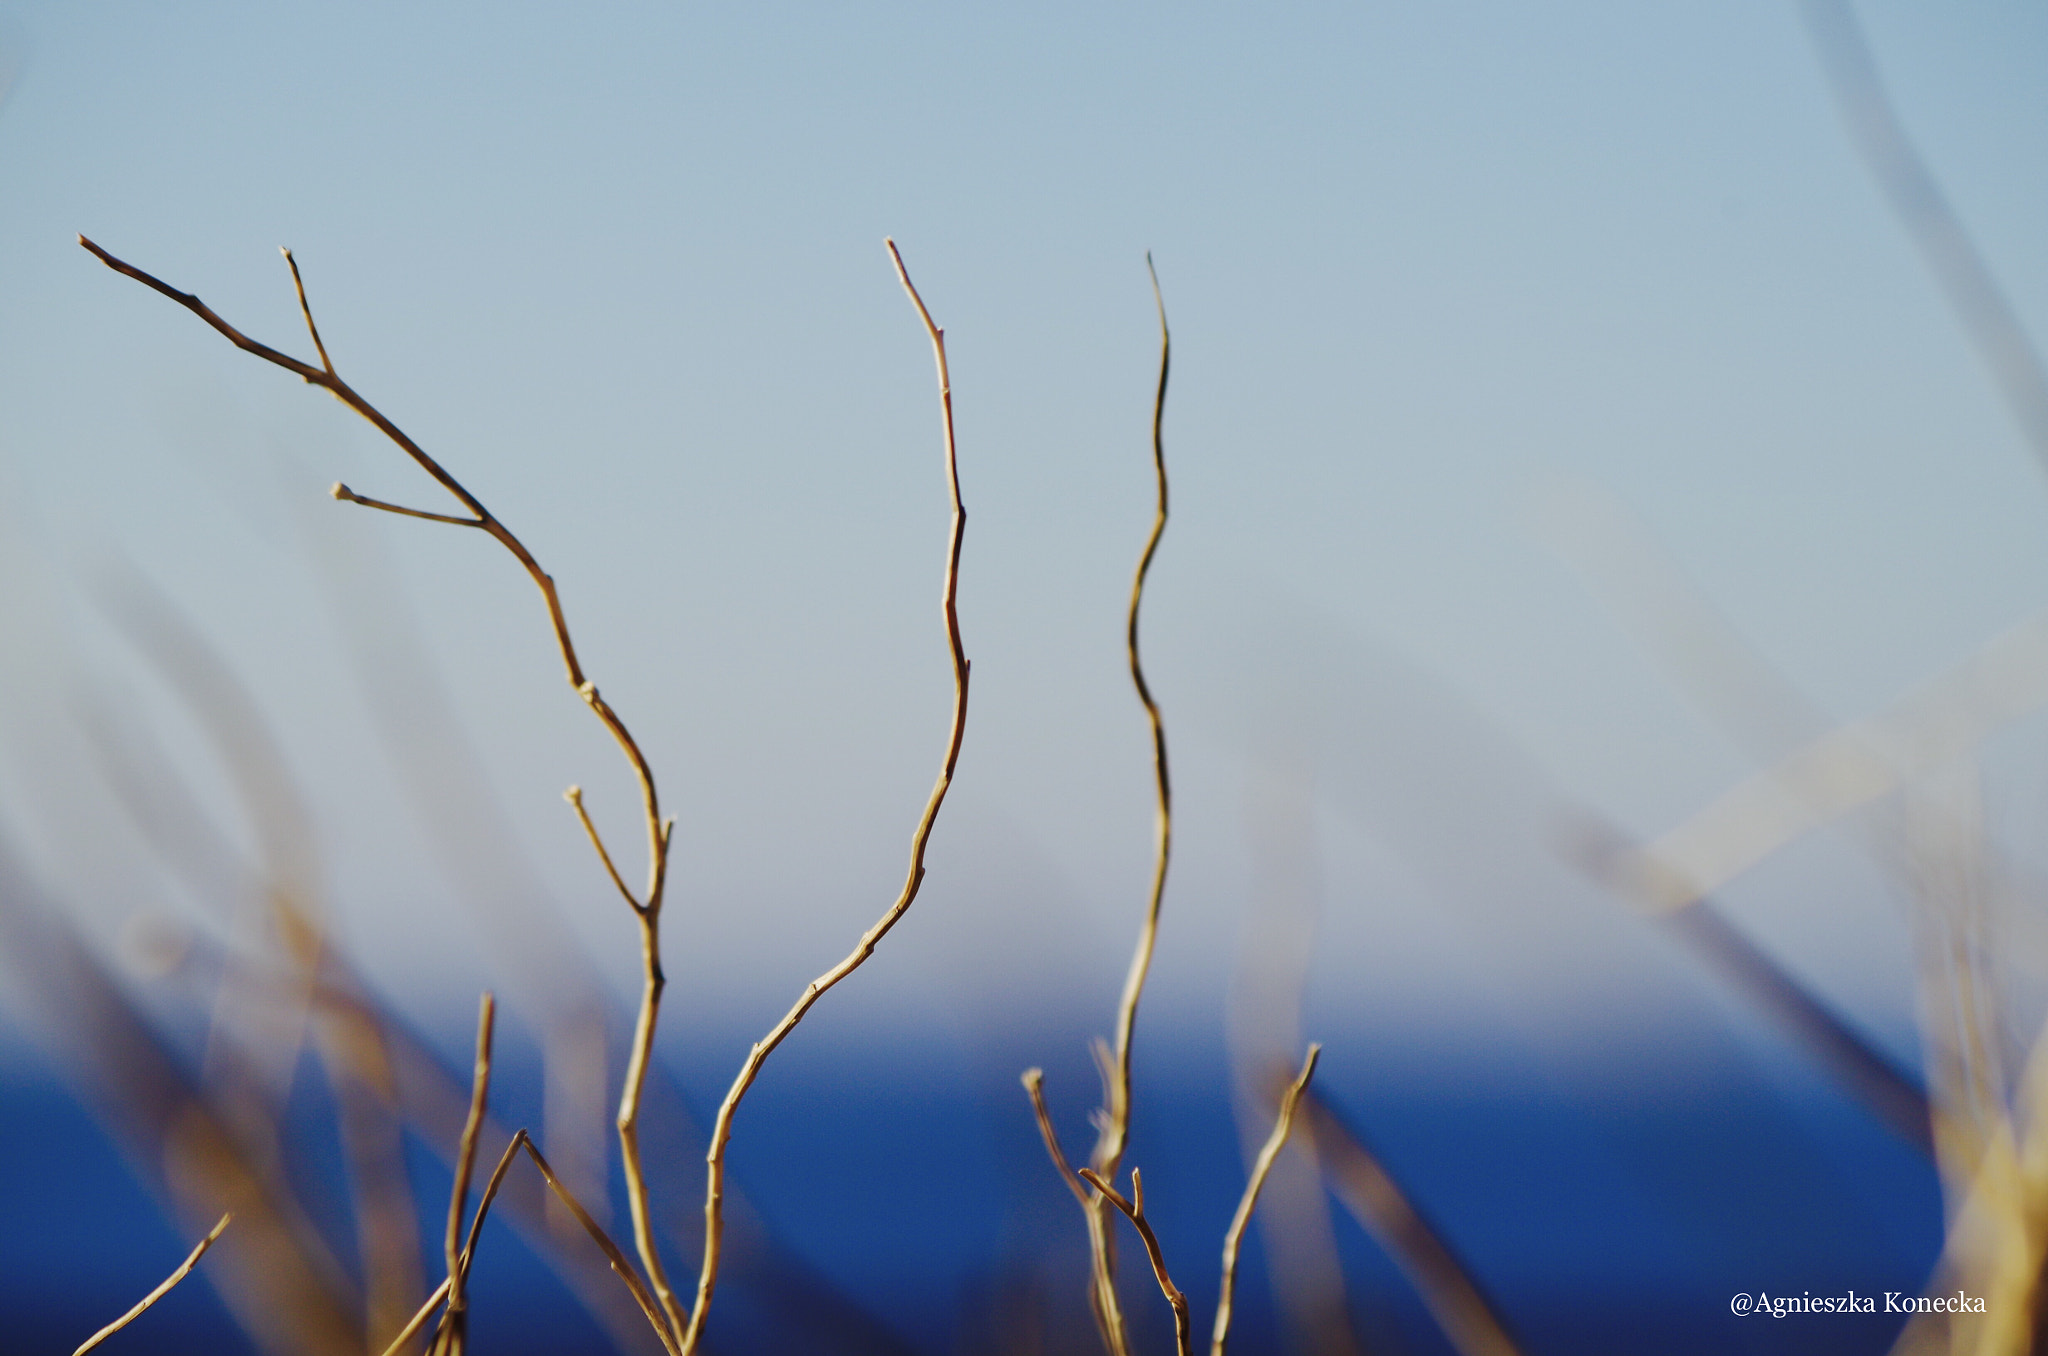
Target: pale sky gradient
(1430, 270)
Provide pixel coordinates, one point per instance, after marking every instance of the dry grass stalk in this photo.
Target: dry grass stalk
(169, 1282)
(1134, 1210)
(1234, 1236)
(419, 1319)
(1372, 1196)
(454, 1332)
(604, 1242)
(647, 910)
(721, 1130)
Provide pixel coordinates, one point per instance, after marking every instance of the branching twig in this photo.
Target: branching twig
(721, 1131)
(1267, 1156)
(184, 1270)
(648, 909)
(1134, 1210)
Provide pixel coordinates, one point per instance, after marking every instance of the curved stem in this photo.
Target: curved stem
(721, 1130)
(649, 910)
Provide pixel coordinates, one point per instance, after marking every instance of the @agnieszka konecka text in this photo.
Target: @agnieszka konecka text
(1891, 1302)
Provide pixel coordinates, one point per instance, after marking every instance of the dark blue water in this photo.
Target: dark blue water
(898, 1206)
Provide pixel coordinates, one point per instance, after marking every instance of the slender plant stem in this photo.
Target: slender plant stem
(1268, 1155)
(453, 1337)
(1113, 1135)
(1134, 1210)
(658, 829)
(169, 1282)
(605, 1245)
(721, 1130)
(419, 1319)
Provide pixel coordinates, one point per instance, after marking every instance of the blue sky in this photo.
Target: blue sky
(1431, 273)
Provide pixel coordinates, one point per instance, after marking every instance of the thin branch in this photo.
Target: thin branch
(604, 1242)
(1113, 1126)
(1108, 1318)
(1134, 1210)
(1109, 1152)
(574, 795)
(657, 829)
(1264, 1164)
(349, 496)
(483, 1205)
(1034, 1087)
(721, 1132)
(454, 1319)
(299, 284)
(169, 1282)
(419, 1319)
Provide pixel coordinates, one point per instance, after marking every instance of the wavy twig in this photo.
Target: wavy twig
(721, 1130)
(1234, 1236)
(1134, 1210)
(169, 1282)
(647, 909)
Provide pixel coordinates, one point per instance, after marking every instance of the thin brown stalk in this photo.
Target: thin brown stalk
(458, 1271)
(169, 1282)
(1376, 1200)
(1134, 1210)
(483, 1205)
(648, 909)
(454, 1320)
(1108, 1318)
(604, 1243)
(721, 1130)
(419, 1319)
(1114, 1124)
(1034, 1087)
(1267, 1157)
(1115, 1133)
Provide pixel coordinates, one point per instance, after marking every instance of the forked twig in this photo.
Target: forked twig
(648, 910)
(1233, 1236)
(721, 1130)
(170, 1281)
(1134, 1210)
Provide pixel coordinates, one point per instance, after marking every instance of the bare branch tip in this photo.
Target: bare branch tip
(574, 795)
(1032, 1078)
(340, 491)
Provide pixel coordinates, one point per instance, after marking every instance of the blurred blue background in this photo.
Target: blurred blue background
(1496, 329)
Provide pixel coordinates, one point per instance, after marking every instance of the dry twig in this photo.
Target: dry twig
(170, 1281)
(648, 909)
(1134, 1210)
(453, 1336)
(721, 1130)
(1113, 1121)
(1267, 1156)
